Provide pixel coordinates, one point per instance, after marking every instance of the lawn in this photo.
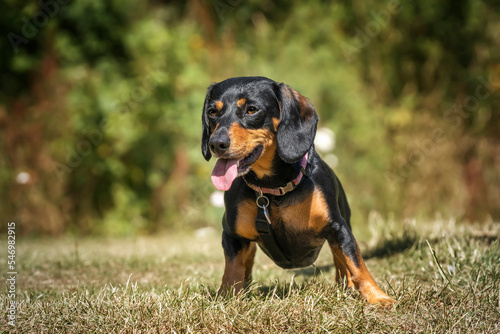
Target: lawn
(445, 277)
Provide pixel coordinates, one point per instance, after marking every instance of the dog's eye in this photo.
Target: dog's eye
(252, 110)
(212, 112)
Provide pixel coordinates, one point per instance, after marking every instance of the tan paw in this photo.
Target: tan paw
(380, 298)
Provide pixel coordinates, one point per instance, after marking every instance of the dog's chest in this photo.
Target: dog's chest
(305, 218)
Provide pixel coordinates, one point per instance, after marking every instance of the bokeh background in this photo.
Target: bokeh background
(100, 105)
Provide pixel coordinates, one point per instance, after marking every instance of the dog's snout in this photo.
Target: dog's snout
(219, 142)
(219, 146)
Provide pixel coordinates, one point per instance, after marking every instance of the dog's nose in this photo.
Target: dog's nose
(219, 143)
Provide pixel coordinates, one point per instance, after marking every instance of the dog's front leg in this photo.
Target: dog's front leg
(351, 266)
(239, 255)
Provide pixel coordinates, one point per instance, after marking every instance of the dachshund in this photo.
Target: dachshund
(279, 193)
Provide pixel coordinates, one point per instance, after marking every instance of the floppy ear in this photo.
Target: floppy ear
(206, 128)
(297, 126)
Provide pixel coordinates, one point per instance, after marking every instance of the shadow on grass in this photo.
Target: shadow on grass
(284, 290)
(313, 270)
(279, 290)
(485, 237)
(391, 246)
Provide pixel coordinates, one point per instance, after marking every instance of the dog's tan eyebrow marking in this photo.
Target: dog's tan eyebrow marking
(241, 102)
(219, 105)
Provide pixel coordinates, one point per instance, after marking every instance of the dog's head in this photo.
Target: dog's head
(247, 120)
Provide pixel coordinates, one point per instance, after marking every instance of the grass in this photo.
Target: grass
(445, 277)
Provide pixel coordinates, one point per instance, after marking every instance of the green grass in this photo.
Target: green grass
(168, 283)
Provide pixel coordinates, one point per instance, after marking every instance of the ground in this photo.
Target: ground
(445, 277)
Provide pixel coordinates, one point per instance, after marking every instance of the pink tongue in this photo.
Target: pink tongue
(224, 173)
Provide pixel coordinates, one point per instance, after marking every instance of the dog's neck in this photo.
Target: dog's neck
(281, 173)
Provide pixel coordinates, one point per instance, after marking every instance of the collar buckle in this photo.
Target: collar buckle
(289, 187)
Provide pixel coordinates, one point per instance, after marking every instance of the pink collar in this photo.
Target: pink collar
(280, 191)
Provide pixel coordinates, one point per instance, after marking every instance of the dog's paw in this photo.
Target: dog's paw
(381, 299)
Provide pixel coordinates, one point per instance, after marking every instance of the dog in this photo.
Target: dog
(279, 193)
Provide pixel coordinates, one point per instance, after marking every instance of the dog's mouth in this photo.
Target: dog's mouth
(245, 163)
(227, 170)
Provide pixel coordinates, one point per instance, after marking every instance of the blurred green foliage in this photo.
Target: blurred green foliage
(100, 104)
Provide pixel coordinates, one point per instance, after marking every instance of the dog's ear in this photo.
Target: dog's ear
(205, 137)
(297, 125)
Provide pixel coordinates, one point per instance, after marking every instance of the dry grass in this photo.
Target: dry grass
(167, 284)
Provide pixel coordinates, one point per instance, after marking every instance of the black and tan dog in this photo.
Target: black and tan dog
(262, 133)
